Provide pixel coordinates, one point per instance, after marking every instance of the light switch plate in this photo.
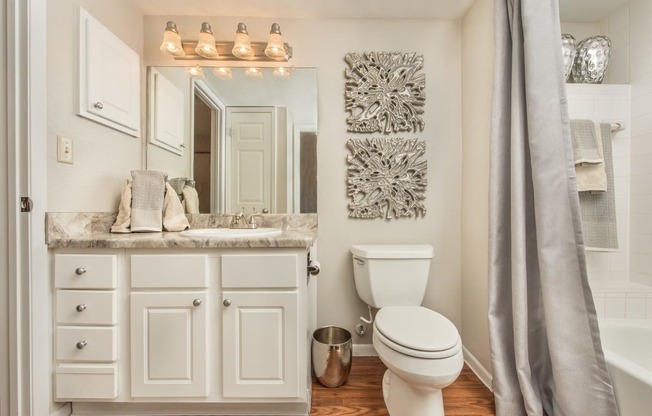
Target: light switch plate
(64, 150)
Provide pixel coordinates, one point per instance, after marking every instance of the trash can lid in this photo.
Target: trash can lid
(417, 328)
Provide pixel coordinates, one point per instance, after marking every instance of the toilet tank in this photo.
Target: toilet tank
(391, 275)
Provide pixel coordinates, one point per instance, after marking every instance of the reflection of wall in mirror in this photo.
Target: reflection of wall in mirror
(202, 154)
(308, 167)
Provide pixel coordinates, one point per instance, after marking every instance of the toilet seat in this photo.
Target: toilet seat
(417, 332)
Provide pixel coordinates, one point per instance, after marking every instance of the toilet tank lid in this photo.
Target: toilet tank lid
(393, 251)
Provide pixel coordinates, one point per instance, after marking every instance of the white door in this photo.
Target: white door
(260, 344)
(251, 185)
(168, 344)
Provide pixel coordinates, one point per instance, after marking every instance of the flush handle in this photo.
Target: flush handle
(359, 261)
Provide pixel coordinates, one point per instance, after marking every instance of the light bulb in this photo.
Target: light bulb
(242, 46)
(223, 73)
(253, 73)
(195, 71)
(206, 42)
(282, 73)
(275, 48)
(172, 41)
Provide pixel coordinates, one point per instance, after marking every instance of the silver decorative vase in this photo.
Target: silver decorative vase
(591, 60)
(568, 52)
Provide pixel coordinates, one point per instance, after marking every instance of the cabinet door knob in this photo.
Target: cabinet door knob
(80, 270)
(81, 345)
(182, 145)
(196, 302)
(227, 302)
(81, 307)
(98, 105)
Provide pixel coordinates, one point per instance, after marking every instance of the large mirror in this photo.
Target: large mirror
(243, 142)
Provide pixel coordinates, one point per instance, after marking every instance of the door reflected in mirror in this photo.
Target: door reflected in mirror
(242, 143)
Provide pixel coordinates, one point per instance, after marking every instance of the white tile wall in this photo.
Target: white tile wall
(609, 103)
(618, 300)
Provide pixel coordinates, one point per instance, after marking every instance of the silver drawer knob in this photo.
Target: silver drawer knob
(227, 302)
(196, 302)
(81, 345)
(81, 307)
(98, 105)
(80, 270)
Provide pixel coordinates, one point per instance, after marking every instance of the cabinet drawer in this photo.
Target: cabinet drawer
(86, 307)
(259, 271)
(169, 271)
(85, 271)
(86, 344)
(87, 382)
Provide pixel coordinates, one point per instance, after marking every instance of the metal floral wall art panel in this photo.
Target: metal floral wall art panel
(386, 177)
(385, 92)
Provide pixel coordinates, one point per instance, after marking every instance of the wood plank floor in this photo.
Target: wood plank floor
(362, 394)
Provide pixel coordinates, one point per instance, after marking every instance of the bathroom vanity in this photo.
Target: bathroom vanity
(164, 324)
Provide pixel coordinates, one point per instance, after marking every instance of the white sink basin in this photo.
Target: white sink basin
(232, 232)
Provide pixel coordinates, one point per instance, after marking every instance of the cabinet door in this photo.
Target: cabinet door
(109, 78)
(260, 344)
(168, 344)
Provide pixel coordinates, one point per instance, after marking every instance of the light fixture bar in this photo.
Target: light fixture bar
(224, 52)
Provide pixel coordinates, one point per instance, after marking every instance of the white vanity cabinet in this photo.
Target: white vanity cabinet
(205, 331)
(85, 316)
(261, 336)
(169, 330)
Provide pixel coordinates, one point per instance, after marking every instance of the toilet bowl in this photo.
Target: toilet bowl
(423, 354)
(421, 348)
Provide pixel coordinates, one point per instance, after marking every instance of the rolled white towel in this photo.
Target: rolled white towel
(190, 199)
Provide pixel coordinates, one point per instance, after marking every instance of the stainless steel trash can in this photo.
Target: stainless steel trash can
(331, 355)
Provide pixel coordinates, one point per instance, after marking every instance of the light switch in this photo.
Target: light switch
(64, 149)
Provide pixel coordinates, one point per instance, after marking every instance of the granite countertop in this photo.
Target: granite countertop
(92, 230)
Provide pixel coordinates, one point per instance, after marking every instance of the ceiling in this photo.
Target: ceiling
(570, 10)
(336, 9)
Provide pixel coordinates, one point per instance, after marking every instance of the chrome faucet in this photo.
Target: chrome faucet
(240, 220)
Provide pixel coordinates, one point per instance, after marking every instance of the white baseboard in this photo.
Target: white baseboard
(478, 369)
(364, 350)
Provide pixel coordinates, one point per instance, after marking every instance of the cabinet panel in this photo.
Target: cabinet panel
(169, 271)
(260, 344)
(259, 270)
(85, 271)
(82, 344)
(167, 110)
(86, 307)
(86, 382)
(168, 344)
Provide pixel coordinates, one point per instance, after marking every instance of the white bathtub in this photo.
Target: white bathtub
(627, 345)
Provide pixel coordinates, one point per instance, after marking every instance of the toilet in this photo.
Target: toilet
(421, 348)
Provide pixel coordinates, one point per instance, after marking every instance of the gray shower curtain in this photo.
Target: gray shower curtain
(545, 345)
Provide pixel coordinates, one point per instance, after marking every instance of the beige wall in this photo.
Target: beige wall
(477, 80)
(103, 157)
(323, 44)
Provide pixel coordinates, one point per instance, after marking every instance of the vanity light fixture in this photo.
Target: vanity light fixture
(206, 42)
(253, 73)
(195, 71)
(223, 73)
(206, 47)
(242, 45)
(172, 41)
(282, 72)
(275, 48)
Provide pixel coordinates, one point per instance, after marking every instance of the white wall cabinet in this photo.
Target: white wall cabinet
(109, 78)
(172, 331)
(167, 113)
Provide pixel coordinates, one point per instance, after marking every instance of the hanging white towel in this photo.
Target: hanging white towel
(591, 176)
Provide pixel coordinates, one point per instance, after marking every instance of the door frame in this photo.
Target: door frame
(29, 342)
(218, 146)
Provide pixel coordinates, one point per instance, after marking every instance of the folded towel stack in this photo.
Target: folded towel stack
(149, 203)
(589, 156)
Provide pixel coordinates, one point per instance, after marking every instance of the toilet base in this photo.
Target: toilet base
(402, 399)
